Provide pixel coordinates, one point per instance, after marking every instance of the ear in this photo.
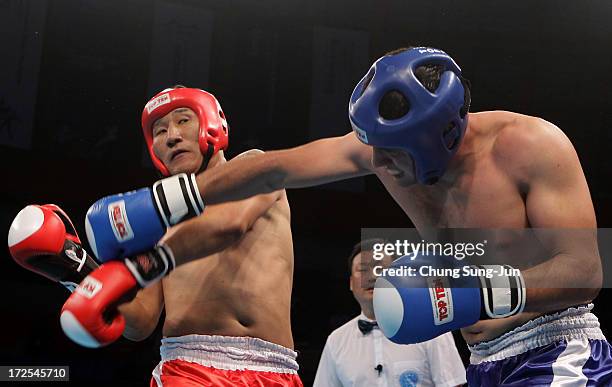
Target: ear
(351, 283)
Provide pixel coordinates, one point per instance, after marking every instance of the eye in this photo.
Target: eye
(159, 131)
(183, 120)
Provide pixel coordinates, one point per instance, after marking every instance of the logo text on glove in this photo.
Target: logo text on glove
(441, 300)
(89, 287)
(119, 221)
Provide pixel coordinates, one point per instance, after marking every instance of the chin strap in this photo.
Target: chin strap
(207, 157)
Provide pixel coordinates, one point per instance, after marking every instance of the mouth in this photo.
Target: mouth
(177, 154)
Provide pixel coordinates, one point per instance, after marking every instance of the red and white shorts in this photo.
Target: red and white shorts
(202, 360)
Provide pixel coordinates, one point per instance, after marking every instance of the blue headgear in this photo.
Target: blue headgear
(435, 123)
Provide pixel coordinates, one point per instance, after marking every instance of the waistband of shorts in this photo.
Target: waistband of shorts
(230, 353)
(576, 323)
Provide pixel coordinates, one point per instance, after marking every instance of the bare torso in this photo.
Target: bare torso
(481, 195)
(244, 290)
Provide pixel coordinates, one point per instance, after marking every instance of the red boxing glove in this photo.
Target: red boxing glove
(90, 316)
(42, 239)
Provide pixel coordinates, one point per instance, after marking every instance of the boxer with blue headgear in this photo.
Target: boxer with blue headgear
(497, 170)
(431, 123)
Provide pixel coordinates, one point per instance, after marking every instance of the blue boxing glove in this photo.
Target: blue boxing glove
(128, 224)
(418, 300)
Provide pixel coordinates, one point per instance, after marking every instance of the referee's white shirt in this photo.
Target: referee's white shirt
(350, 358)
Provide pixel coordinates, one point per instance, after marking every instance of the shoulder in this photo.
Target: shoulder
(521, 132)
(249, 153)
(526, 146)
(342, 333)
(282, 195)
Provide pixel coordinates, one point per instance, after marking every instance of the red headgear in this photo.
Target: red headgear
(213, 126)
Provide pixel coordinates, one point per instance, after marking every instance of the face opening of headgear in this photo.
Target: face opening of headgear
(432, 124)
(214, 130)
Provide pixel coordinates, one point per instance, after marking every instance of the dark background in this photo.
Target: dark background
(546, 58)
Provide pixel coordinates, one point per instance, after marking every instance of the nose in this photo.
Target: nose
(174, 135)
(380, 158)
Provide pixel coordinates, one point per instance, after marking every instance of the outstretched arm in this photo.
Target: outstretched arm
(315, 163)
(149, 211)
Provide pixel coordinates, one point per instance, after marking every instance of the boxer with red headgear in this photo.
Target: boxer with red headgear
(213, 129)
(227, 301)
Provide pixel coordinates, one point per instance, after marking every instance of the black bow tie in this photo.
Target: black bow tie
(366, 326)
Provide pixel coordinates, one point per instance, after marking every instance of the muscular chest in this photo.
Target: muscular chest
(482, 197)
